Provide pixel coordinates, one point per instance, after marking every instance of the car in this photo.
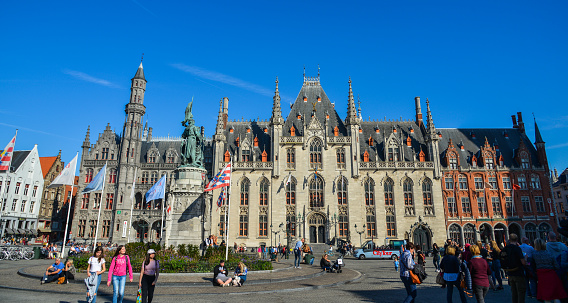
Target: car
(370, 250)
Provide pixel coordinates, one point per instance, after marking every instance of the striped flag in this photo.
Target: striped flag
(6, 155)
(223, 178)
(221, 198)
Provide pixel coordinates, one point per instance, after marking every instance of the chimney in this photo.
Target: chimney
(418, 111)
(225, 111)
(521, 123)
(514, 121)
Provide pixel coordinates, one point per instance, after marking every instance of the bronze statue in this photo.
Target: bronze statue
(192, 144)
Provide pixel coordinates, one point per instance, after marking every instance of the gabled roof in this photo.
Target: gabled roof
(386, 129)
(46, 164)
(19, 158)
(313, 90)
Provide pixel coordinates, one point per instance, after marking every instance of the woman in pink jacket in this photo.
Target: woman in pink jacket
(117, 273)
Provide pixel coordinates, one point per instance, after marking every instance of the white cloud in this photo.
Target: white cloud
(88, 78)
(215, 76)
(558, 146)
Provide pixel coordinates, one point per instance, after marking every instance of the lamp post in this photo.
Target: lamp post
(360, 233)
(301, 220)
(275, 232)
(333, 221)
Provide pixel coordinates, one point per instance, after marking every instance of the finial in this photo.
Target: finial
(318, 70)
(304, 71)
(142, 59)
(276, 79)
(349, 80)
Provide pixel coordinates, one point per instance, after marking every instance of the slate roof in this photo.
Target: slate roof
(140, 73)
(313, 90)
(495, 136)
(562, 179)
(18, 159)
(46, 164)
(240, 130)
(403, 130)
(162, 147)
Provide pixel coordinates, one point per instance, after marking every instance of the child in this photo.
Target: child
(396, 263)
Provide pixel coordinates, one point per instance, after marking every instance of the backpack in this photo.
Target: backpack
(507, 261)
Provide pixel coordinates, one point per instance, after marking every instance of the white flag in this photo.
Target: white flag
(67, 175)
(289, 179)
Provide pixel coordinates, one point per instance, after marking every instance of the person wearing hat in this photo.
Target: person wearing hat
(149, 276)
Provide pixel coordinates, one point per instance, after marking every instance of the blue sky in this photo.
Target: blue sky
(68, 64)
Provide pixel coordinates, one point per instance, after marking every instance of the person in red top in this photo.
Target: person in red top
(117, 273)
(480, 273)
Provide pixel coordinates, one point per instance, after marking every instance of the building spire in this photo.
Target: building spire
(351, 111)
(537, 136)
(220, 123)
(276, 118)
(87, 142)
(140, 72)
(430, 128)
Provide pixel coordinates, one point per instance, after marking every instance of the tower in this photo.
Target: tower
(353, 124)
(432, 141)
(540, 149)
(276, 122)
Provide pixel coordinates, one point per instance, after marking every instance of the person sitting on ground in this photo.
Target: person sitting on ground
(220, 275)
(325, 264)
(53, 272)
(309, 258)
(241, 274)
(69, 271)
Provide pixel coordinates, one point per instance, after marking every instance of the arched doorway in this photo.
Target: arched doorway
(141, 228)
(500, 232)
(543, 230)
(317, 228)
(515, 229)
(469, 234)
(485, 233)
(422, 236)
(454, 233)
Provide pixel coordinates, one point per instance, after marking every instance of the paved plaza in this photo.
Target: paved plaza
(361, 281)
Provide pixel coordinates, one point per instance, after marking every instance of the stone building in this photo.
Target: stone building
(560, 192)
(22, 187)
(133, 154)
(480, 169)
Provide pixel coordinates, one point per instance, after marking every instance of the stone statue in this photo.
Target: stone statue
(192, 144)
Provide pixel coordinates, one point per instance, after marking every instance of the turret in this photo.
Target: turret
(540, 147)
(432, 139)
(351, 118)
(276, 118)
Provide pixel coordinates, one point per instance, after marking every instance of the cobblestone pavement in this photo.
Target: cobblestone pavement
(377, 282)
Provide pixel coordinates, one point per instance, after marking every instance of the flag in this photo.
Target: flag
(516, 186)
(67, 175)
(169, 209)
(98, 181)
(289, 180)
(223, 178)
(316, 174)
(157, 191)
(6, 155)
(133, 184)
(221, 198)
(487, 184)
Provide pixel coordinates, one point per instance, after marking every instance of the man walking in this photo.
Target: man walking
(531, 278)
(513, 262)
(298, 253)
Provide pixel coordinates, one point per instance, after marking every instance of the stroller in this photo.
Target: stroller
(337, 264)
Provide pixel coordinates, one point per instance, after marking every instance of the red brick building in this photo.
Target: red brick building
(495, 182)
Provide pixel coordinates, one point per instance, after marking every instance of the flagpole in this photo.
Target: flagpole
(163, 202)
(3, 194)
(131, 205)
(69, 211)
(227, 217)
(100, 207)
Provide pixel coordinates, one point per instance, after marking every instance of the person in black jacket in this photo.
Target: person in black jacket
(325, 264)
(450, 266)
(220, 274)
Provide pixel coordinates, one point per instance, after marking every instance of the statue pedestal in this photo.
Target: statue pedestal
(187, 221)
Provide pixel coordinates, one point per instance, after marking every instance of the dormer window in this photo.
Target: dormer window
(336, 131)
(305, 99)
(422, 156)
(366, 156)
(393, 152)
(246, 155)
(264, 156)
(227, 156)
(292, 131)
(248, 130)
(231, 130)
(501, 161)
(489, 163)
(408, 141)
(525, 161)
(370, 141)
(474, 161)
(255, 141)
(237, 140)
(319, 99)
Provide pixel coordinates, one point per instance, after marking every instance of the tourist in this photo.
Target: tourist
(117, 273)
(96, 266)
(480, 272)
(325, 264)
(514, 264)
(406, 265)
(450, 266)
(542, 262)
(531, 276)
(69, 271)
(420, 255)
(466, 253)
(496, 268)
(559, 252)
(220, 274)
(396, 263)
(298, 252)
(241, 274)
(149, 276)
(53, 272)
(309, 258)
(436, 256)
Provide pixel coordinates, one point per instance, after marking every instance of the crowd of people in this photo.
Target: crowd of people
(537, 272)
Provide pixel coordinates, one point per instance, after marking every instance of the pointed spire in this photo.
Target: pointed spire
(537, 136)
(351, 111)
(276, 110)
(140, 72)
(429, 121)
(87, 142)
(220, 124)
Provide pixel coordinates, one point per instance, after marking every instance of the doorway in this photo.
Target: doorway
(317, 228)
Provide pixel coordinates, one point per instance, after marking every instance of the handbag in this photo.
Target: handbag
(414, 277)
(139, 297)
(440, 279)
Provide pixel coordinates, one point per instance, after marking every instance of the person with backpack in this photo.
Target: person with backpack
(450, 266)
(514, 263)
(496, 265)
(421, 256)
(436, 256)
(406, 265)
(149, 276)
(549, 286)
(117, 273)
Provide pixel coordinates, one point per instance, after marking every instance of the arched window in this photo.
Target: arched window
(452, 161)
(427, 192)
(522, 181)
(469, 234)
(154, 178)
(407, 190)
(316, 192)
(369, 192)
(315, 153)
(112, 176)
(145, 177)
(340, 158)
(245, 187)
(341, 191)
(543, 230)
(89, 175)
(535, 182)
(389, 192)
(455, 233)
(530, 232)
(489, 162)
(291, 192)
(291, 158)
(263, 193)
(462, 181)
(393, 151)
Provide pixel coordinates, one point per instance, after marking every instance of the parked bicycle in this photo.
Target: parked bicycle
(15, 253)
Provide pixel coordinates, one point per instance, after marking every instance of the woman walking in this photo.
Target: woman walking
(496, 269)
(406, 265)
(117, 273)
(436, 255)
(149, 276)
(96, 267)
(549, 287)
(450, 266)
(480, 272)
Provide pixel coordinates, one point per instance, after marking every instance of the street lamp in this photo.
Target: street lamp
(301, 220)
(276, 232)
(333, 221)
(360, 233)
